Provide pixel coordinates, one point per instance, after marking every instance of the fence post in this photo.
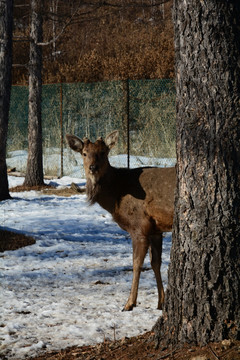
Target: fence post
(126, 117)
(61, 130)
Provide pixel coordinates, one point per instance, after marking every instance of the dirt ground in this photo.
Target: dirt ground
(136, 348)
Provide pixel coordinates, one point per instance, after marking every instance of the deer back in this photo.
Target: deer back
(135, 197)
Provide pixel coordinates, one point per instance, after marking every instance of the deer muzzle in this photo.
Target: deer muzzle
(93, 168)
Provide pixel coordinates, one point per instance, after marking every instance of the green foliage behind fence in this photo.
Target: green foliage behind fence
(142, 110)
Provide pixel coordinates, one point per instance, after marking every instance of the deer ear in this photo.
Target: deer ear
(111, 139)
(75, 143)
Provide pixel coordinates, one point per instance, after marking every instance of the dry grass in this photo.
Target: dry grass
(11, 241)
(51, 190)
(142, 347)
(20, 188)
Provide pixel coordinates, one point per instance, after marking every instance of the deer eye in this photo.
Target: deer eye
(84, 154)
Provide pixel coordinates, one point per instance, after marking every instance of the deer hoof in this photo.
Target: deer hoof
(128, 307)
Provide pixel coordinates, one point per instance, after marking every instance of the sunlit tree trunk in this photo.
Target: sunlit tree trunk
(6, 10)
(34, 172)
(203, 295)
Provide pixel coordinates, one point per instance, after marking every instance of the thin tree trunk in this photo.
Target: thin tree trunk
(203, 295)
(34, 172)
(6, 10)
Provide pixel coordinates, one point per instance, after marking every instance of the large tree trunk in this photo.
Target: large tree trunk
(34, 172)
(203, 295)
(6, 10)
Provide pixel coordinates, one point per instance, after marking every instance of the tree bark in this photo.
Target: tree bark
(6, 10)
(34, 172)
(203, 294)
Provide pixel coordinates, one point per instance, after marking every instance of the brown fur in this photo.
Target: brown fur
(140, 201)
(92, 191)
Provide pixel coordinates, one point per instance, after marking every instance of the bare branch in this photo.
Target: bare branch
(128, 5)
(20, 39)
(21, 5)
(20, 65)
(95, 6)
(60, 33)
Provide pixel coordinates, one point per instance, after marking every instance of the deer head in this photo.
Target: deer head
(95, 155)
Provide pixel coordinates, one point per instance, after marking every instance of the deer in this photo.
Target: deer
(140, 200)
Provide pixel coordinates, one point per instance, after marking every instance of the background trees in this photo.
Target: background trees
(203, 295)
(34, 172)
(73, 14)
(5, 88)
(102, 41)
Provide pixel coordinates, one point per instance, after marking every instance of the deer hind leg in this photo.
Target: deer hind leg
(140, 248)
(156, 260)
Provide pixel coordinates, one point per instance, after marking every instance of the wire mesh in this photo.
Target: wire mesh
(142, 110)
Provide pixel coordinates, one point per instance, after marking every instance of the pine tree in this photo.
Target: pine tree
(6, 11)
(34, 171)
(203, 295)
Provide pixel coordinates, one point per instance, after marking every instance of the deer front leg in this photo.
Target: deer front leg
(140, 248)
(156, 260)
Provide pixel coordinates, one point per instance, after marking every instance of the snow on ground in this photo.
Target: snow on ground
(70, 287)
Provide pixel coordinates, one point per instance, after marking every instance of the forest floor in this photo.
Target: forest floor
(136, 348)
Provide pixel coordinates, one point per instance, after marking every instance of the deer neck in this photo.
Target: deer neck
(101, 190)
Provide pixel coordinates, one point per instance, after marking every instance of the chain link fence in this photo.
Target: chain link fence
(142, 110)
